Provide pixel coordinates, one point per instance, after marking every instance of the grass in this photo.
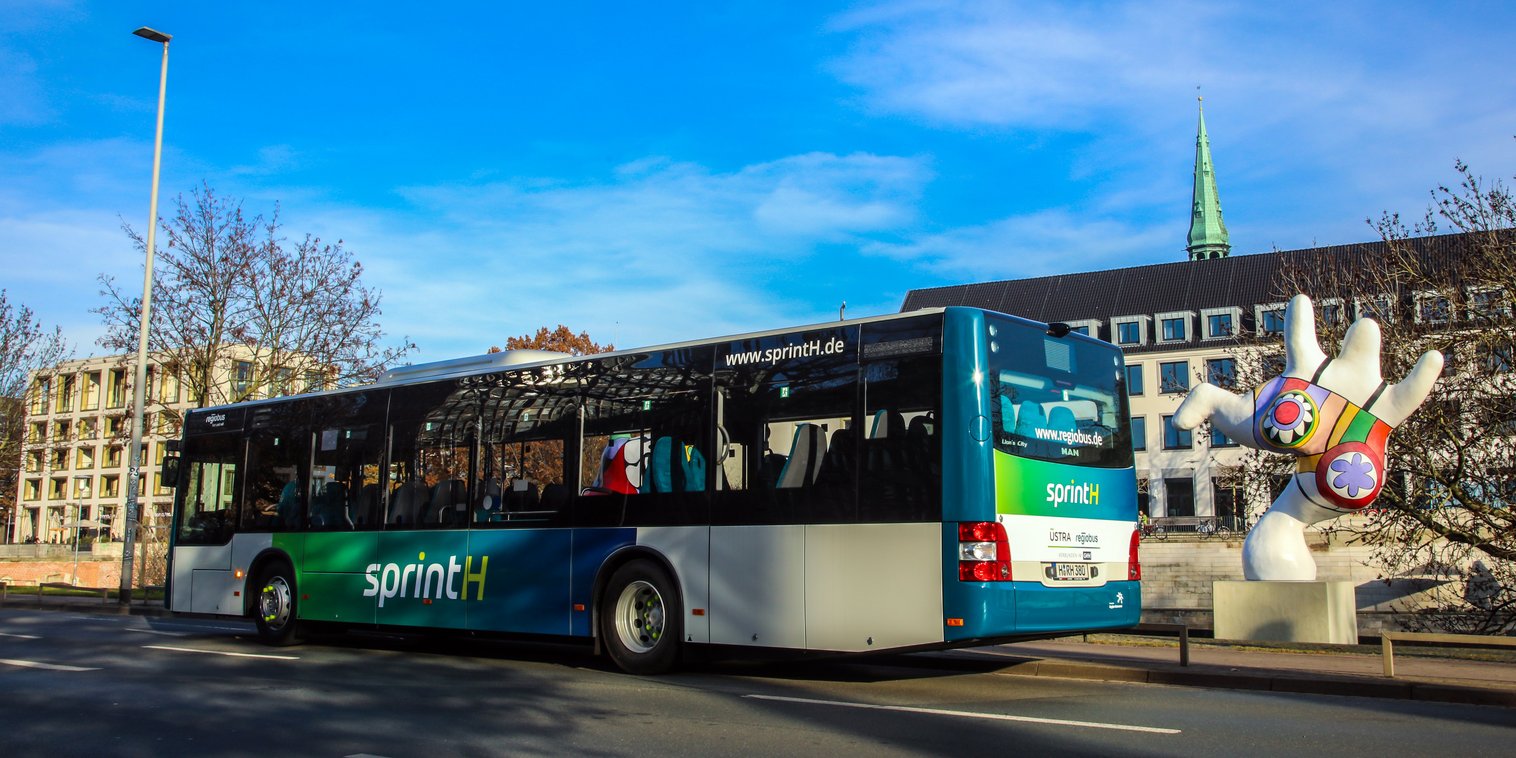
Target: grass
(23, 590)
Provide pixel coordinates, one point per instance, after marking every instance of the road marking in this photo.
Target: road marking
(155, 631)
(363, 755)
(223, 652)
(47, 666)
(20, 636)
(970, 714)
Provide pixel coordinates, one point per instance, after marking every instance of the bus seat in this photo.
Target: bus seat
(490, 501)
(804, 461)
(1062, 419)
(692, 462)
(334, 506)
(447, 496)
(837, 465)
(661, 465)
(556, 496)
(1007, 414)
(1029, 418)
(366, 508)
(407, 503)
(288, 508)
(887, 425)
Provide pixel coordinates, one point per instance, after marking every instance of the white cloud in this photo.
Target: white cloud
(659, 251)
(1034, 244)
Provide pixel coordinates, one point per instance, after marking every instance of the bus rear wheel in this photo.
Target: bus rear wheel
(641, 619)
(274, 610)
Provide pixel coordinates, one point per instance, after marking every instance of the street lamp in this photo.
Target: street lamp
(139, 386)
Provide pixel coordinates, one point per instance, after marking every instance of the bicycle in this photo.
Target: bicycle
(1213, 528)
(1154, 531)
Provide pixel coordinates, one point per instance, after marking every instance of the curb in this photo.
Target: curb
(91, 608)
(1332, 686)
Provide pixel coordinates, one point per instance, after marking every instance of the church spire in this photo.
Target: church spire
(1208, 237)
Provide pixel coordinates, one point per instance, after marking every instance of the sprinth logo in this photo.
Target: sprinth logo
(1073, 494)
(425, 580)
(774, 355)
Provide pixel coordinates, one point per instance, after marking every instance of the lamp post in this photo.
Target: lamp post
(139, 386)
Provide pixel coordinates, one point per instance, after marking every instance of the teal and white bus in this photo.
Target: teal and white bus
(931, 479)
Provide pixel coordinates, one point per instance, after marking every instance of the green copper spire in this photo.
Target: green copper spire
(1208, 237)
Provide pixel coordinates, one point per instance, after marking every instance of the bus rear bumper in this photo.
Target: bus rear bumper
(1015, 608)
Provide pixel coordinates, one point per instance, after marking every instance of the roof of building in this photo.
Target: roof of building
(1241, 281)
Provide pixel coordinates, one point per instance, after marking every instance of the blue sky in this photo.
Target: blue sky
(660, 172)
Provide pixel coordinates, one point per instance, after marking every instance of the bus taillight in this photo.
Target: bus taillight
(1133, 567)
(984, 552)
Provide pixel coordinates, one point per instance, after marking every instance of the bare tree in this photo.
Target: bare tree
(1447, 517)
(230, 293)
(25, 346)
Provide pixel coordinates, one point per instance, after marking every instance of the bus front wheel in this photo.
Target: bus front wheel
(641, 619)
(274, 611)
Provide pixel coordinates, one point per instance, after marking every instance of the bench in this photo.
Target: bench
(1387, 643)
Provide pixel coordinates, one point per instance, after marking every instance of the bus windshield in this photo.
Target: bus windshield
(1060, 399)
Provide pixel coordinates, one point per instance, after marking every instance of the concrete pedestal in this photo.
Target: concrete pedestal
(1286, 611)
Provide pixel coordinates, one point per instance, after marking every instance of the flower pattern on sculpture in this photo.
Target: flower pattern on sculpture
(1354, 474)
(1291, 419)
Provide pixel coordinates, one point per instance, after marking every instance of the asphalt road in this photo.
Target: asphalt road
(74, 684)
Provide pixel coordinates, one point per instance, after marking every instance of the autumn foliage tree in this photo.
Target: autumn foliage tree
(561, 339)
(229, 288)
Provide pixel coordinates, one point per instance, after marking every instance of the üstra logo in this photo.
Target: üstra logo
(1073, 494)
(433, 580)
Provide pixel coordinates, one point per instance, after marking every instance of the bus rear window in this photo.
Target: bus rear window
(1058, 399)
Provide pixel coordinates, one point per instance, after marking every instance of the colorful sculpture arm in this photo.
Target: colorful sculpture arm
(1334, 414)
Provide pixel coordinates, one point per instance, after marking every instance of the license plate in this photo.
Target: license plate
(1071, 571)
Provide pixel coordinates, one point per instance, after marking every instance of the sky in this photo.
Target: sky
(660, 172)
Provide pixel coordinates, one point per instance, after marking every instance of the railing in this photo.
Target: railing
(1387, 643)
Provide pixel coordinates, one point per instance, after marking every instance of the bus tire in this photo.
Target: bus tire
(275, 610)
(641, 619)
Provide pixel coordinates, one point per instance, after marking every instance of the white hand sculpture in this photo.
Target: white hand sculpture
(1335, 414)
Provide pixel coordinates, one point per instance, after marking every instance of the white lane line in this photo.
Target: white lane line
(20, 636)
(363, 755)
(47, 666)
(155, 631)
(970, 714)
(223, 652)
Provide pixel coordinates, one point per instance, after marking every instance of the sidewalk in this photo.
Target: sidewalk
(1324, 672)
(1331, 670)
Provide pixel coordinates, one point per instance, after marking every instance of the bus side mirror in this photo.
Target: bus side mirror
(168, 475)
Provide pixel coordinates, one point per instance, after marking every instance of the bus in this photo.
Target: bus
(932, 479)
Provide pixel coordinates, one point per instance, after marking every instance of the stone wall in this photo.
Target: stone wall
(1177, 577)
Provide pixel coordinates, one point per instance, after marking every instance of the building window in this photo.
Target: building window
(314, 381)
(1330, 311)
(1219, 325)
(1134, 379)
(242, 380)
(60, 458)
(1377, 308)
(1139, 433)
(41, 392)
(1487, 303)
(1174, 330)
(36, 432)
(1271, 320)
(66, 387)
(1219, 438)
(1432, 308)
(34, 462)
(84, 457)
(1179, 496)
(115, 393)
(33, 489)
(56, 488)
(1174, 377)
(1221, 372)
(1129, 333)
(1497, 358)
(1225, 500)
(1175, 438)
